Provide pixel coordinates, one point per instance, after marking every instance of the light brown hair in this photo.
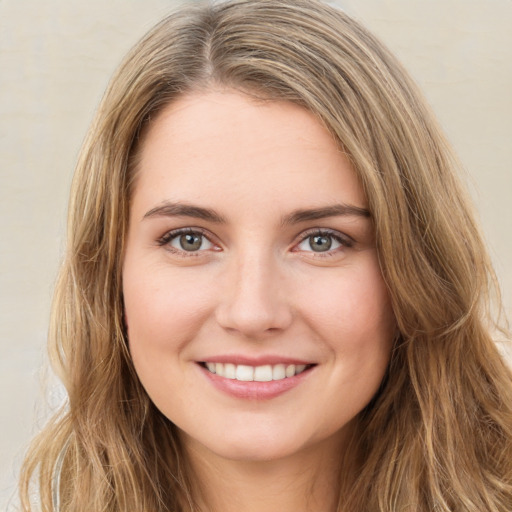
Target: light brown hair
(438, 435)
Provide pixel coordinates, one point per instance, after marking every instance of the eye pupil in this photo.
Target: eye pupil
(320, 243)
(191, 241)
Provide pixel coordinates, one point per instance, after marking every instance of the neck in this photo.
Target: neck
(303, 482)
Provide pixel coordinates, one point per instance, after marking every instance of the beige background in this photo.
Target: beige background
(55, 59)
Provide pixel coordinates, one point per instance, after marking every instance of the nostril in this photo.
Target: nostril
(254, 319)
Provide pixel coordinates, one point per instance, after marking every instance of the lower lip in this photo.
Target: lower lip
(254, 390)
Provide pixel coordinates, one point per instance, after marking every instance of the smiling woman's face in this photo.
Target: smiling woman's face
(257, 316)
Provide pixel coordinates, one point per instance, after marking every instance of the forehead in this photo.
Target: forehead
(226, 145)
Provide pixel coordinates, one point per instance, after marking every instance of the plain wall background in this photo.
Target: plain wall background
(55, 60)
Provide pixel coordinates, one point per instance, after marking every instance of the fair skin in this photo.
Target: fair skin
(264, 327)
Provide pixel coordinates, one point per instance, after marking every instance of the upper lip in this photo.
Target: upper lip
(255, 360)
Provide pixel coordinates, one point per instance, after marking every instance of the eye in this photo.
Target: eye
(318, 243)
(190, 242)
(321, 241)
(186, 240)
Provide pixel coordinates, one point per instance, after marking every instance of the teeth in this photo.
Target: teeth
(230, 371)
(263, 373)
(278, 372)
(245, 373)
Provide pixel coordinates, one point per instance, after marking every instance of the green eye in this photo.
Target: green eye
(191, 241)
(322, 242)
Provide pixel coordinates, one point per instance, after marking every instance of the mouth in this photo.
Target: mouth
(263, 373)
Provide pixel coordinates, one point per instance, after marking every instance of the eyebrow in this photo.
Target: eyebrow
(335, 210)
(169, 209)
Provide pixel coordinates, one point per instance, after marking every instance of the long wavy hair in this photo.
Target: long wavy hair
(438, 434)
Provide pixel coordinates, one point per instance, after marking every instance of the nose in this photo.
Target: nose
(253, 302)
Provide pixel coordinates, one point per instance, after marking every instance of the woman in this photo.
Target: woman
(275, 294)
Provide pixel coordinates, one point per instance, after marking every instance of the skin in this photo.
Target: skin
(256, 287)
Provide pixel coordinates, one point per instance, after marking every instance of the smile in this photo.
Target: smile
(264, 373)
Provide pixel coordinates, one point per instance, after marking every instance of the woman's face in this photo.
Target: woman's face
(257, 316)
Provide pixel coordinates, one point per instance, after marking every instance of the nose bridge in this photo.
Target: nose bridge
(253, 302)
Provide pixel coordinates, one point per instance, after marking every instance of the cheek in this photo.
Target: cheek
(163, 311)
(355, 323)
(353, 306)
(162, 307)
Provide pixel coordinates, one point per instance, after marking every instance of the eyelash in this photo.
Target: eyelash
(345, 241)
(171, 235)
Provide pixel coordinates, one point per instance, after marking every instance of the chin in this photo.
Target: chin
(255, 450)
(262, 445)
